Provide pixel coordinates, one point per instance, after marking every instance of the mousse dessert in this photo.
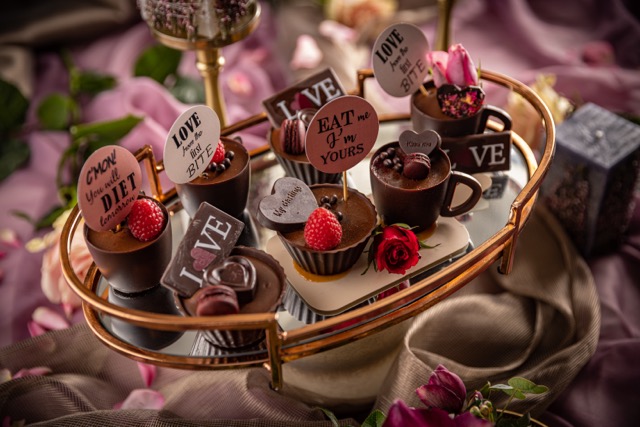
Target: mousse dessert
(133, 256)
(225, 182)
(288, 145)
(249, 281)
(324, 233)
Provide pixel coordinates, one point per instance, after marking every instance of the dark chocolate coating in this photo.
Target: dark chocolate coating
(136, 268)
(227, 192)
(216, 300)
(238, 274)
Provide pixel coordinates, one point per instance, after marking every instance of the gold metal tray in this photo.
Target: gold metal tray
(283, 345)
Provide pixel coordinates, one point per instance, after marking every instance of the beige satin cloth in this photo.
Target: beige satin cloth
(541, 322)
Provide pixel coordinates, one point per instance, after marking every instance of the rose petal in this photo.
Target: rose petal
(35, 329)
(35, 371)
(307, 54)
(437, 62)
(445, 378)
(445, 390)
(5, 375)
(400, 415)
(9, 237)
(142, 399)
(460, 68)
(148, 373)
(337, 32)
(467, 419)
(49, 319)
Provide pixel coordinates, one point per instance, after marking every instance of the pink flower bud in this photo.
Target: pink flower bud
(460, 69)
(437, 62)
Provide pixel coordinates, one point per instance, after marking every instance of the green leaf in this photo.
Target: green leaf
(13, 154)
(501, 387)
(331, 416)
(90, 82)
(188, 90)
(158, 62)
(527, 386)
(48, 219)
(23, 215)
(375, 419)
(112, 130)
(55, 111)
(509, 420)
(14, 107)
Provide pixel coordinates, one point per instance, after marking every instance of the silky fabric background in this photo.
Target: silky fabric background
(519, 38)
(541, 321)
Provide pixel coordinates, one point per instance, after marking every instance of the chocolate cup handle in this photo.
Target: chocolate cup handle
(476, 192)
(492, 111)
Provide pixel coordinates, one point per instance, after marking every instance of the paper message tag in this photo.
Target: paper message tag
(288, 207)
(108, 185)
(191, 143)
(313, 92)
(399, 59)
(341, 134)
(209, 239)
(424, 142)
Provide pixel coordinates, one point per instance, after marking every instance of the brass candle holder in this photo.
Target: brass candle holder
(203, 26)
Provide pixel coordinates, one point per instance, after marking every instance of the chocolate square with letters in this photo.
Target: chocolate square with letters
(209, 239)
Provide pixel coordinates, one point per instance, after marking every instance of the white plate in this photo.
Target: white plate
(330, 297)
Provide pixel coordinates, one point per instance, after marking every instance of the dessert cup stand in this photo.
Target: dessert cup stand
(282, 346)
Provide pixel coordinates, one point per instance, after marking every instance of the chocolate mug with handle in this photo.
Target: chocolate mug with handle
(418, 202)
(426, 114)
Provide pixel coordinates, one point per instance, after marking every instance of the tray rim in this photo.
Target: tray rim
(287, 346)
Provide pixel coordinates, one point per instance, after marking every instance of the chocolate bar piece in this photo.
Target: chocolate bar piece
(210, 237)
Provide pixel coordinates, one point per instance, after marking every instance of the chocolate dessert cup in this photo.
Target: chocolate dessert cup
(297, 165)
(227, 190)
(359, 219)
(129, 265)
(158, 299)
(270, 288)
(418, 203)
(426, 114)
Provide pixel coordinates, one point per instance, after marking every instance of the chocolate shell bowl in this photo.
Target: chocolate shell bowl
(297, 165)
(227, 190)
(359, 219)
(418, 202)
(270, 288)
(129, 265)
(155, 300)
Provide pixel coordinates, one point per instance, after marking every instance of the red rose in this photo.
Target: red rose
(395, 249)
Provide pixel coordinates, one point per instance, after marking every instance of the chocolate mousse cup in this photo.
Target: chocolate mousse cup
(271, 285)
(359, 219)
(426, 114)
(297, 165)
(129, 265)
(227, 190)
(419, 203)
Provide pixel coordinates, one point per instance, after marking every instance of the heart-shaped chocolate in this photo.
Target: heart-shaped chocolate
(288, 207)
(236, 272)
(457, 102)
(201, 258)
(424, 142)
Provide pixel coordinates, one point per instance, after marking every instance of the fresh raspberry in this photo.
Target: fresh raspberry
(218, 156)
(146, 220)
(322, 230)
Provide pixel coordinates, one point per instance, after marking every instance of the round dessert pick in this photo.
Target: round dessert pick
(191, 143)
(108, 185)
(399, 59)
(341, 134)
